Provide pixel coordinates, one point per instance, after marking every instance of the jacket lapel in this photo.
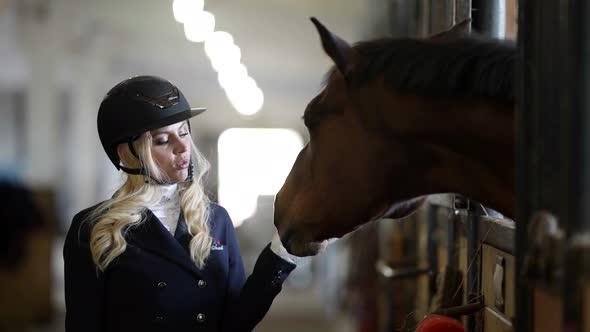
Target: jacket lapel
(152, 236)
(182, 235)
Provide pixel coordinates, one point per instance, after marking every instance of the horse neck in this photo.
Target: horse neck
(463, 145)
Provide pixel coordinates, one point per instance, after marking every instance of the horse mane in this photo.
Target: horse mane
(467, 66)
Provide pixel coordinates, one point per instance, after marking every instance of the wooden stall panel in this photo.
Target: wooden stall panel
(464, 266)
(442, 258)
(497, 273)
(494, 322)
(397, 265)
(423, 291)
(586, 310)
(547, 311)
(511, 19)
(26, 289)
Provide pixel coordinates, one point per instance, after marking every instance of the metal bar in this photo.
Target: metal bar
(403, 19)
(442, 15)
(462, 10)
(499, 233)
(431, 246)
(463, 310)
(423, 17)
(20, 127)
(399, 273)
(452, 239)
(579, 119)
(542, 144)
(473, 261)
(524, 157)
(577, 106)
(489, 17)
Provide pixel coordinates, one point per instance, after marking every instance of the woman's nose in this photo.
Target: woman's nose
(181, 146)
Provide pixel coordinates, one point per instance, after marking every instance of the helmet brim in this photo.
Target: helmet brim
(197, 111)
(175, 118)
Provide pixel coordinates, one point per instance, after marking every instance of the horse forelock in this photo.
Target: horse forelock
(469, 66)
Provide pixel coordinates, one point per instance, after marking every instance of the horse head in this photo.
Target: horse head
(358, 166)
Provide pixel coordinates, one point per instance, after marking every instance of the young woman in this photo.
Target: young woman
(158, 255)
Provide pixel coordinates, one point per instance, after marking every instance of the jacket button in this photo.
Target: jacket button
(200, 318)
(276, 281)
(161, 284)
(202, 283)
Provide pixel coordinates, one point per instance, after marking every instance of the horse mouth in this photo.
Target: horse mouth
(304, 249)
(303, 244)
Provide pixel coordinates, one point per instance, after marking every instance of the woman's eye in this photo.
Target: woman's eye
(161, 142)
(183, 134)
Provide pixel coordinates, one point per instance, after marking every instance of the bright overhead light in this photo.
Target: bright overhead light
(218, 42)
(247, 99)
(231, 76)
(228, 56)
(185, 8)
(224, 55)
(198, 27)
(222, 51)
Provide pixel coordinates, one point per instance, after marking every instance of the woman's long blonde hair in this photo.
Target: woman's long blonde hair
(126, 209)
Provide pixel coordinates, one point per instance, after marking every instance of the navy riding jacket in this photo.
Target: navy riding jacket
(154, 285)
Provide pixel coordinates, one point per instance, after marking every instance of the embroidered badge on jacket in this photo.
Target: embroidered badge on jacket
(217, 245)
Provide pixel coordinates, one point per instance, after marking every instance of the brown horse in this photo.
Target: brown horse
(399, 119)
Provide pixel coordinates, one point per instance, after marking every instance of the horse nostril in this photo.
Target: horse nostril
(287, 238)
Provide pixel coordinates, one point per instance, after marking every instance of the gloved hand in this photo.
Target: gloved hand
(277, 247)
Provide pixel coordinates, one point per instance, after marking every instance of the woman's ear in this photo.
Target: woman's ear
(125, 154)
(122, 151)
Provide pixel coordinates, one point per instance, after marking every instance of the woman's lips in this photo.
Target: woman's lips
(182, 165)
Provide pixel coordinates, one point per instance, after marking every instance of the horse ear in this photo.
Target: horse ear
(458, 30)
(344, 56)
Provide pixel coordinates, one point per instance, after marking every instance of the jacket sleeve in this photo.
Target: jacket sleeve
(248, 301)
(83, 286)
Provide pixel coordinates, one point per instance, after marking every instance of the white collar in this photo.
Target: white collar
(169, 192)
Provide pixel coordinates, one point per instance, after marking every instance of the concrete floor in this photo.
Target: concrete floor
(296, 311)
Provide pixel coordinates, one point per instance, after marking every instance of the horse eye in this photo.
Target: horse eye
(310, 123)
(306, 122)
(307, 118)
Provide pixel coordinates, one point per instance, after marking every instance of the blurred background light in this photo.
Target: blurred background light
(199, 26)
(247, 98)
(253, 162)
(232, 75)
(225, 56)
(217, 43)
(182, 9)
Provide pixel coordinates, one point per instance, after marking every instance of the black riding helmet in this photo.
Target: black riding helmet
(137, 105)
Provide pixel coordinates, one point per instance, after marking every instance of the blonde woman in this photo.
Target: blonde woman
(158, 255)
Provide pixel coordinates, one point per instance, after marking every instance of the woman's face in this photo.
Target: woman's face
(171, 150)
